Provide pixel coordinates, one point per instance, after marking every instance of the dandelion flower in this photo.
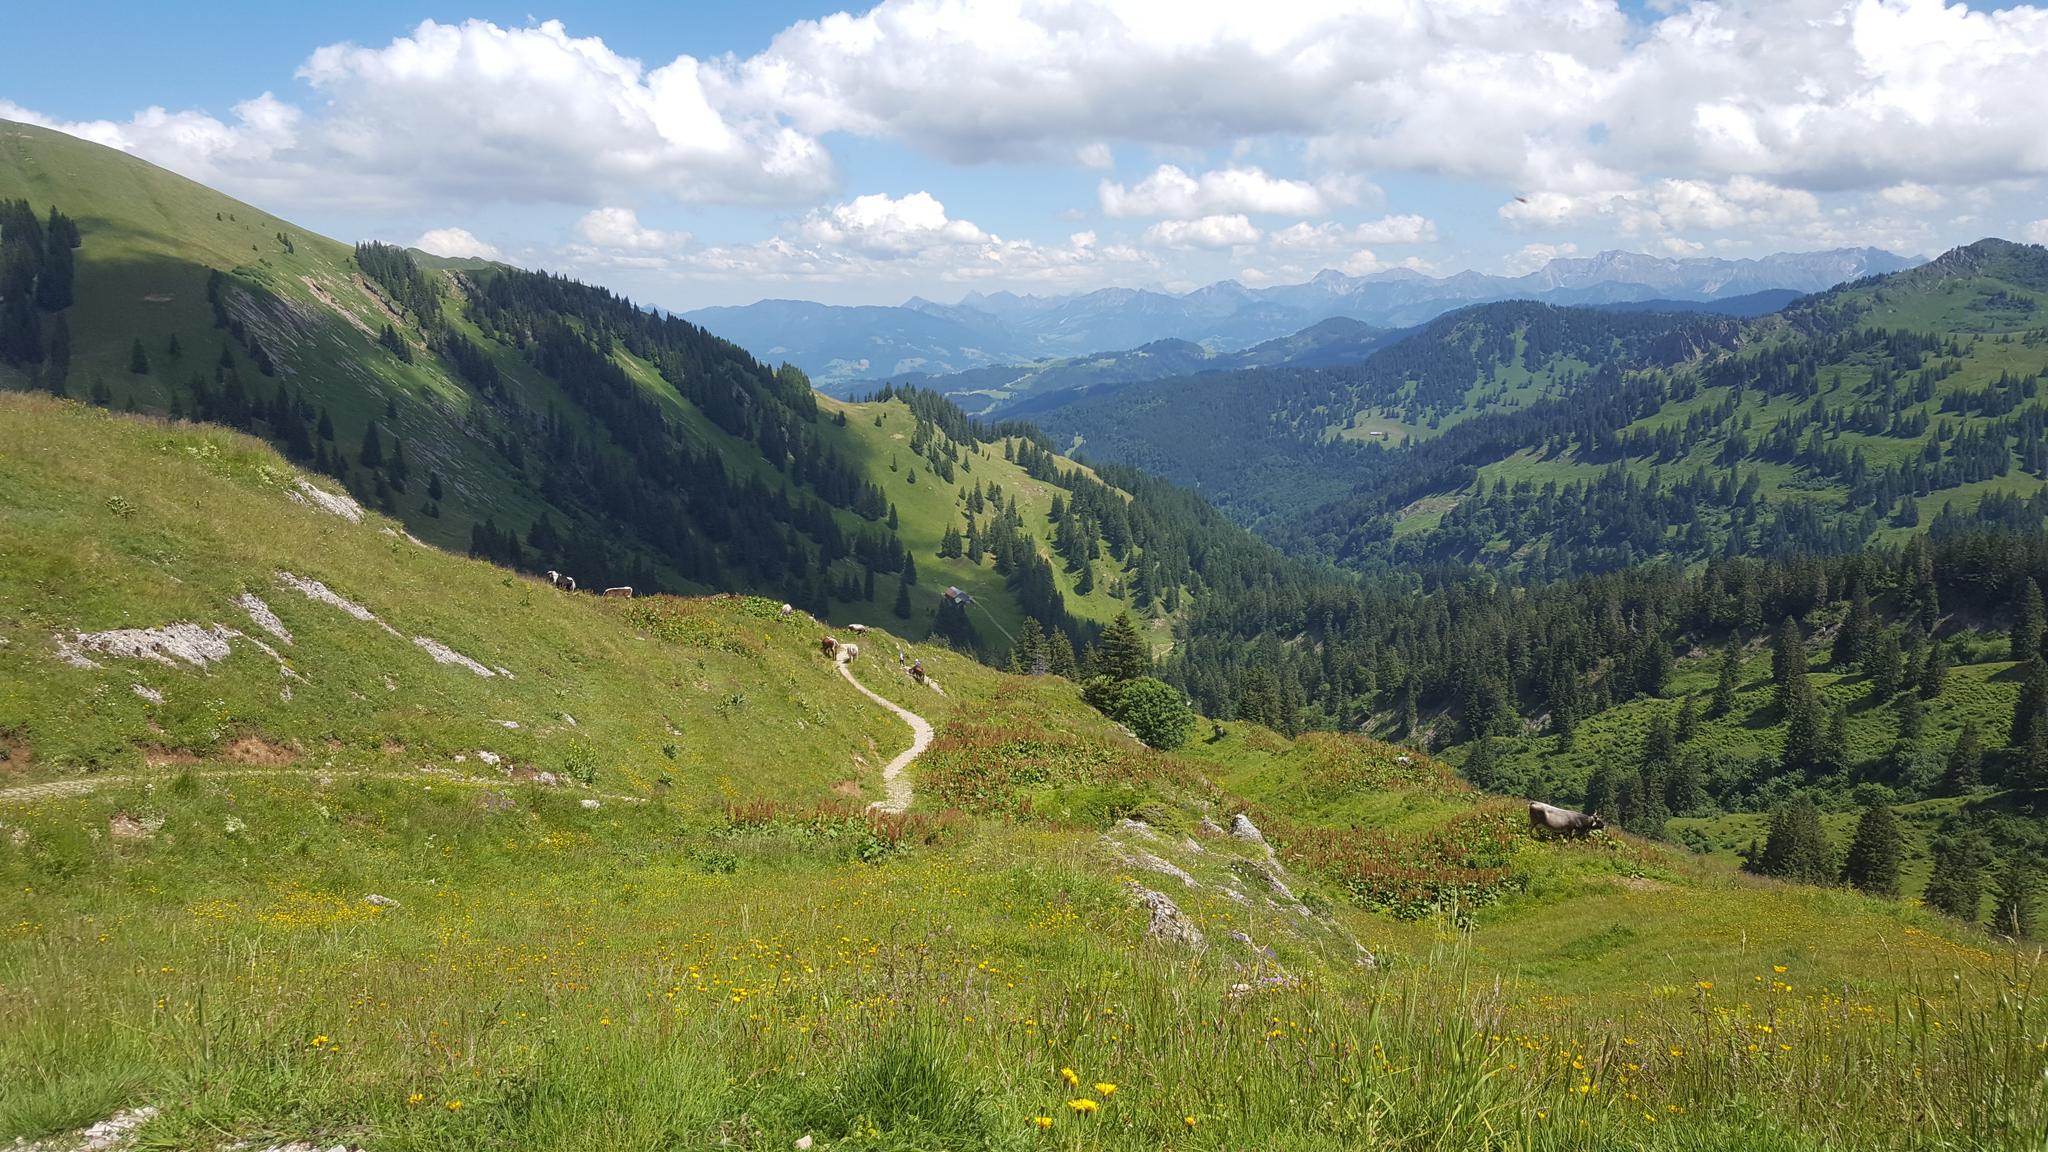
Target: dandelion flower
(1084, 1105)
(1106, 1089)
(416, 1098)
(1188, 1120)
(1071, 1077)
(1042, 1122)
(455, 1105)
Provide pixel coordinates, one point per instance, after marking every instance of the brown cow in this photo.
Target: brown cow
(1563, 820)
(623, 592)
(829, 645)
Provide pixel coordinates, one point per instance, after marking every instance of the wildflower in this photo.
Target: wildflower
(1105, 1089)
(416, 1098)
(455, 1105)
(1084, 1105)
(1073, 1080)
(1188, 1120)
(1706, 985)
(1042, 1122)
(1778, 968)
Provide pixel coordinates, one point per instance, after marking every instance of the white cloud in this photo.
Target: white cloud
(880, 225)
(1329, 237)
(1913, 196)
(2036, 232)
(1170, 191)
(1095, 154)
(1668, 206)
(1533, 256)
(456, 244)
(1207, 232)
(620, 229)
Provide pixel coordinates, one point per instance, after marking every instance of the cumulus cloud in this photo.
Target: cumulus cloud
(620, 229)
(1669, 206)
(1312, 238)
(1533, 256)
(880, 225)
(2036, 232)
(1206, 232)
(1913, 196)
(1170, 191)
(456, 244)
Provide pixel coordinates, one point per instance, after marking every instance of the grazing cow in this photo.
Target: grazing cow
(1563, 820)
(829, 645)
(623, 592)
(554, 578)
(569, 582)
(857, 629)
(787, 609)
(847, 652)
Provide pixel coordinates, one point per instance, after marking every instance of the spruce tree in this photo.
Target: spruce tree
(909, 573)
(2012, 897)
(1872, 864)
(1881, 665)
(1730, 680)
(1934, 672)
(1796, 848)
(1688, 723)
(902, 600)
(1121, 655)
(1684, 791)
(1027, 654)
(1955, 885)
(1482, 766)
(1059, 658)
(138, 358)
(1965, 768)
(2028, 623)
(1788, 665)
(2030, 711)
(1805, 731)
(1910, 716)
(372, 454)
(1852, 639)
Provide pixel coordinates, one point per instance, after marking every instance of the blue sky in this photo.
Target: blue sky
(716, 153)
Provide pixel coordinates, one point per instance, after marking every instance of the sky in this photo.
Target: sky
(697, 154)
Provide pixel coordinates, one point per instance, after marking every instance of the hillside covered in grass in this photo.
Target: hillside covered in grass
(361, 842)
(1555, 441)
(550, 425)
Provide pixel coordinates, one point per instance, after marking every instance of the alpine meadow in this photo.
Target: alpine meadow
(960, 575)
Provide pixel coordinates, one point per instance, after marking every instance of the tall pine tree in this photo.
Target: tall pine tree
(1872, 864)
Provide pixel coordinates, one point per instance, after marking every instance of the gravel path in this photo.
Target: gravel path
(897, 790)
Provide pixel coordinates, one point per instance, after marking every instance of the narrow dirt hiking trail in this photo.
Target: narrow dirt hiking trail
(897, 790)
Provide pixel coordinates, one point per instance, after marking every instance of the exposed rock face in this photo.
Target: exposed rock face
(1169, 923)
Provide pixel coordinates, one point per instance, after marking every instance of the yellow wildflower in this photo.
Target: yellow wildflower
(1188, 1120)
(1073, 1080)
(1084, 1105)
(1042, 1122)
(455, 1105)
(416, 1098)
(1106, 1089)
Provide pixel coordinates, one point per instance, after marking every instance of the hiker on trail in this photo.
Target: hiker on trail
(917, 671)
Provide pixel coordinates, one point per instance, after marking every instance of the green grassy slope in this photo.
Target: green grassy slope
(694, 937)
(154, 241)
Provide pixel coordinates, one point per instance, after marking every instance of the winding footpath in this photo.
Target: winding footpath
(85, 785)
(897, 792)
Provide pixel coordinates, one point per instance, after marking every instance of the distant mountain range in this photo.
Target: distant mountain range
(1012, 388)
(839, 345)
